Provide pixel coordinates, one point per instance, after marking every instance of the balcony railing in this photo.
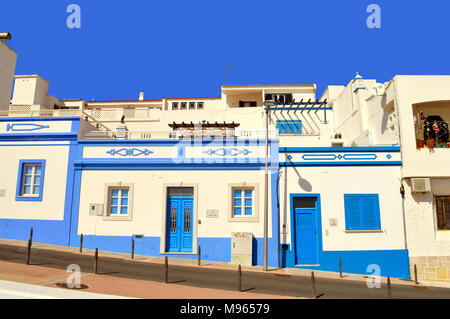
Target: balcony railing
(199, 134)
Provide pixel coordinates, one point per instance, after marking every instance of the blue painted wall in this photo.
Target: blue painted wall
(393, 263)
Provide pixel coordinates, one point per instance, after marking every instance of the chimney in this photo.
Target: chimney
(5, 36)
(141, 96)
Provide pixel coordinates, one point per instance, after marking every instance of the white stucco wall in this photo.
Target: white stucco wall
(149, 201)
(423, 237)
(54, 189)
(418, 89)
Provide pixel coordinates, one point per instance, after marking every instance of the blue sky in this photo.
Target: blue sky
(180, 48)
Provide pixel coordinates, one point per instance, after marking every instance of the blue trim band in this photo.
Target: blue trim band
(374, 163)
(32, 118)
(339, 149)
(39, 137)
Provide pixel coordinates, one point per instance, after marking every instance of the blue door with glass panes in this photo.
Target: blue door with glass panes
(179, 223)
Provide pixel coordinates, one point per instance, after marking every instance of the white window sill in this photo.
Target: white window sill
(366, 231)
(123, 218)
(244, 219)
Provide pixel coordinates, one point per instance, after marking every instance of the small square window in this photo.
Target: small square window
(243, 202)
(174, 105)
(200, 105)
(119, 202)
(183, 106)
(30, 180)
(192, 105)
(442, 212)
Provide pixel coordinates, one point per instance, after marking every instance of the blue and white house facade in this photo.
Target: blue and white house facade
(176, 174)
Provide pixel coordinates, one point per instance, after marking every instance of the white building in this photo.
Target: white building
(178, 173)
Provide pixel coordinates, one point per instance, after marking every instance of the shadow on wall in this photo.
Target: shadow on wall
(303, 183)
(384, 119)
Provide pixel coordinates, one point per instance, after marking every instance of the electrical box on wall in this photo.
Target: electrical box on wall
(95, 209)
(420, 185)
(241, 248)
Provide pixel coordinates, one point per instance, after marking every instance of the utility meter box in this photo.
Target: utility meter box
(241, 248)
(95, 209)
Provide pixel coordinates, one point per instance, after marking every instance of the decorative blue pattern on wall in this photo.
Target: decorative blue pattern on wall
(352, 157)
(227, 152)
(25, 127)
(129, 152)
(319, 157)
(332, 157)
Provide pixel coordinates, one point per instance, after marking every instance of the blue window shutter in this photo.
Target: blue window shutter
(353, 220)
(289, 127)
(362, 212)
(370, 212)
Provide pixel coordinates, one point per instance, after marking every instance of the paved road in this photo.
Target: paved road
(267, 283)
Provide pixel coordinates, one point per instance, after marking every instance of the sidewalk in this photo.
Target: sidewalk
(223, 265)
(103, 286)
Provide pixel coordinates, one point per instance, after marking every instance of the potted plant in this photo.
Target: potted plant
(421, 143)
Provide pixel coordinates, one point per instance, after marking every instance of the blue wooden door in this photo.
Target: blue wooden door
(305, 219)
(179, 223)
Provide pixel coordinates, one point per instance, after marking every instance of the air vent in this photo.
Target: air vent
(420, 185)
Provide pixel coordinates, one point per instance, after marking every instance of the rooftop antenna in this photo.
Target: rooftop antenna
(226, 72)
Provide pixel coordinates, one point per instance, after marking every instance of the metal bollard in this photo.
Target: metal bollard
(166, 269)
(30, 242)
(239, 278)
(313, 284)
(340, 267)
(389, 288)
(96, 261)
(199, 254)
(81, 243)
(415, 275)
(132, 248)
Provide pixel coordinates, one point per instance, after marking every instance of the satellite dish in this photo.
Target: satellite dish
(377, 89)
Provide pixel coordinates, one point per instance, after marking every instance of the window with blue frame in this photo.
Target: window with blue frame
(362, 212)
(30, 180)
(289, 127)
(243, 202)
(118, 201)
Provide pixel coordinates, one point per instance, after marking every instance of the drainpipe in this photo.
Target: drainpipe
(278, 214)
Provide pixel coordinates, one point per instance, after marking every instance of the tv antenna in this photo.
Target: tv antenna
(226, 72)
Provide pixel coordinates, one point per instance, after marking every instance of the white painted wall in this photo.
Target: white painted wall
(418, 89)
(421, 226)
(30, 90)
(149, 201)
(54, 191)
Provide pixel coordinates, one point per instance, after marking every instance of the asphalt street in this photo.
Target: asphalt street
(257, 282)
